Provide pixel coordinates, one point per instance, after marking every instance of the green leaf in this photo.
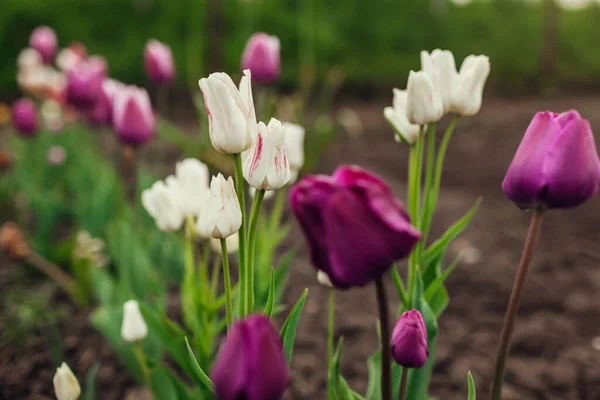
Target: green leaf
(162, 385)
(271, 299)
(337, 386)
(200, 375)
(399, 285)
(439, 301)
(281, 274)
(472, 395)
(374, 386)
(90, 382)
(439, 281)
(288, 331)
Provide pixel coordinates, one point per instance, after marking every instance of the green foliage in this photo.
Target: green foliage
(288, 331)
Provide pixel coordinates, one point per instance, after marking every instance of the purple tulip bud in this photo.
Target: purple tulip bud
(409, 340)
(158, 62)
(556, 164)
(25, 117)
(354, 226)
(101, 113)
(261, 57)
(43, 39)
(250, 364)
(133, 118)
(84, 83)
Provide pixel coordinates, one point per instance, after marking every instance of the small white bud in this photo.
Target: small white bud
(134, 327)
(66, 386)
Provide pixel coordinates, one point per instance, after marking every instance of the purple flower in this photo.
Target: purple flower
(133, 118)
(409, 340)
(101, 113)
(556, 164)
(354, 226)
(250, 364)
(84, 82)
(43, 39)
(261, 57)
(25, 117)
(158, 62)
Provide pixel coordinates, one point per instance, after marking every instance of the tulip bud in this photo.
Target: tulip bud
(261, 56)
(469, 86)
(409, 340)
(423, 103)
(231, 115)
(222, 216)
(12, 242)
(29, 58)
(56, 155)
(441, 69)
(250, 364)
(25, 118)
(266, 166)
(354, 226)
(556, 164)
(84, 83)
(396, 115)
(134, 327)
(158, 62)
(161, 201)
(43, 39)
(192, 178)
(324, 280)
(66, 386)
(71, 56)
(232, 242)
(133, 118)
(294, 147)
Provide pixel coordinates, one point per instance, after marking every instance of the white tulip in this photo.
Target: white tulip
(294, 145)
(324, 280)
(233, 243)
(192, 182)
(396, 115)
(441, 69)
(163, 204)
(423, 104)
(222, 216)
(231, 115)
(29, 58)
(267, 167)
(66, 386)
(134, 327)
(468, 92)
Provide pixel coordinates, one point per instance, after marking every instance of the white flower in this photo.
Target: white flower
(396, 115)
(162, 203)
(423, 104)
(66, 386)
(231, 115)
(233, 243)
(323, 279)
(29, 58)
(68, 58)
(192, 181)
(471, 80)
(294, 145)
(266, 166)
(134, 327)
(441, 69)
(222, 216)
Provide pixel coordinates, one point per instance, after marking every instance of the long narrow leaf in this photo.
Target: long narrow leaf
(288, 331)
(200, 375)
(271, 299)
(472, 394)
(436, 284)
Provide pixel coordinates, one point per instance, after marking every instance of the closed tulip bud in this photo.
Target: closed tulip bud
(134, 327)
(324, 280)
(66, 386)
(556, 164)
(396, 115)
(28, 58)
(25, 117)
(232, 242)
(231, 115)
(266, 166)
(158, 62)
(261, 56)
(222, 216)
(70, 57)
(250, 364)
(294, 146)
(192, 180)
(161, 201)
(441, 69)
(423, 103)
(133, 118)
(409, 340)
(84, 83)
(468, 91)
(43, 39)
(354, 226)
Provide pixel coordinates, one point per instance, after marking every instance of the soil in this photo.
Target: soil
(552, 356)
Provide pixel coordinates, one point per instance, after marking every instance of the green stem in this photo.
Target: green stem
(254, 214)
(227, 279)
(242, 264)
(414, 189)
(141, 358)
(330, 328)
(384, 326)
(426, 209)
(403, 380)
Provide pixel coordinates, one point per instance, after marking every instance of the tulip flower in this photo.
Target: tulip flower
(162, 203)
(231, 115)
(266, 166)
(222, 216)
(134, 327)
(409, 340)
(43, 39)
(158, 62)
(232, 244)
(468, 89)
(25, 117)
(396, 115)
(70, 56)
(250, 364)
(556, 164)
(66, 386)
(102, 112)
(354, 226)
(324, 280)
(294, 147)
(84, 83)
(441, 69)
(261, 56)
(28, 58)
(423, 102)
(133, 118)
(192, 180)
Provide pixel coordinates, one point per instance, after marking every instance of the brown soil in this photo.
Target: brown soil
(552, 355)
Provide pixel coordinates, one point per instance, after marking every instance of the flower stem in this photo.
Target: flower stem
(139, 354)
(403, 380)
(425, 209)
(254, 214)
(239, 188)
(414, 193)
(227, 279)
(64, 280)
(330, 328)
(384, 325)
(513, 304)
(130, 174)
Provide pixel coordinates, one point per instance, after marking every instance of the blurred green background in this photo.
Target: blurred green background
(531, 44)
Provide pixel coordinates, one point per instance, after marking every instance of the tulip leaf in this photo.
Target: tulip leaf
(472, 394)
(439, 281)
(90, 382)
(399, 286)
(199, 375)
(288, 331)
(163, 386)
(374, 386)
(271, 299)
(337, 386)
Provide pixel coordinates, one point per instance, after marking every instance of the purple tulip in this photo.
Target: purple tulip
(158, 62)
(250, 364)
(25, 117)
(43, 39)
(84, 83)
(409, 340)
(133, 118)
(101, 113)
(556, 164)
(354, 226)
(261, 57)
